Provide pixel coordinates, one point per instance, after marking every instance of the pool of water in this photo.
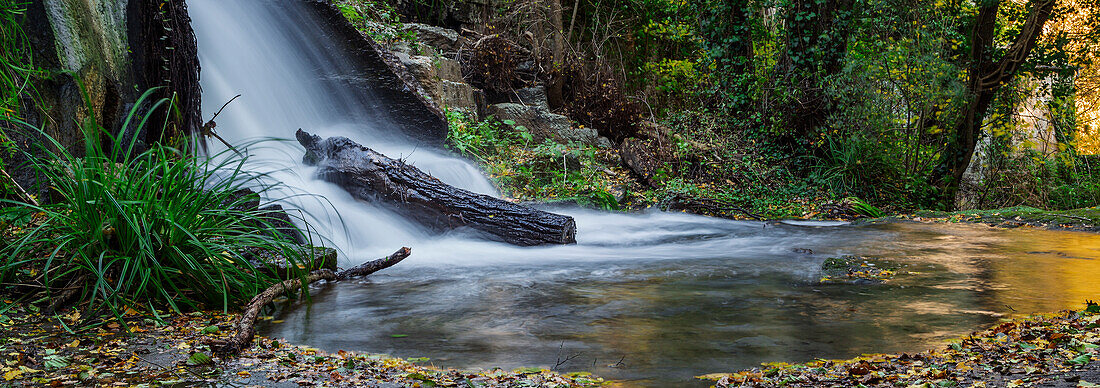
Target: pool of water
(654, 299)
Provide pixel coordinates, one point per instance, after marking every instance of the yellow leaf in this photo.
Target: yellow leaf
(13, 374)
(712, 376)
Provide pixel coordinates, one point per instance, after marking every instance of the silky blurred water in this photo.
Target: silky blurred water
(669, 295)
(679, 296)
(270, 53)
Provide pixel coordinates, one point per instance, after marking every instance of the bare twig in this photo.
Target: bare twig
(561, 362)
(375, 266)
(208, 128)
(223, 108)
(246, 326)
(19, 189)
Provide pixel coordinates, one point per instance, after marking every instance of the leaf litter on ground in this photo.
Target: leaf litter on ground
(146, 352)
(1058, 349)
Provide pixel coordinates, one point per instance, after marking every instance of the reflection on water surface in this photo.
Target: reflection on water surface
(700, 296)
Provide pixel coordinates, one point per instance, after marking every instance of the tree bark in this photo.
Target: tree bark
(817, 44)
(374, 266)
(557, 56)
(371, 176)
(984, 78)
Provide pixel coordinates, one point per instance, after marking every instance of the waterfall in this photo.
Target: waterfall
(268, 52)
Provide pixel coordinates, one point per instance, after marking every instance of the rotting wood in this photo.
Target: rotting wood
(371, 176)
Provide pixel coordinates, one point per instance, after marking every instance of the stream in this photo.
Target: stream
(674, 296)
(650, 299)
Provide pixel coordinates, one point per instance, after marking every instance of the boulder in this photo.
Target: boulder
(380, 73)
(444, 40)
(442, 81)
(460, 95)
(276, 264)
(636, 156)
(539, 123)
(532, 96)
(542, 124)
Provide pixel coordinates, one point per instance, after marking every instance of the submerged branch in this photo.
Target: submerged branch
(246, 326)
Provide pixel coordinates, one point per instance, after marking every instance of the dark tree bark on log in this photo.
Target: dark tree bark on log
(371, 176)
(374, 266)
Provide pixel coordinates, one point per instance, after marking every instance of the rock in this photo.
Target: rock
(459, 95)
(246, 200)
(587, 136)
(533, 96)
(243, 200)
(418, 65)
(637, 157)
(442, 80)
(448, 69)
(542, 124)
(539, 125)
(444, 40)
(276, 264)
(380, 73)
(427, 69)
(279, 219)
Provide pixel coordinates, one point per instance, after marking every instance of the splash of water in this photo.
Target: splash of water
(268, 52)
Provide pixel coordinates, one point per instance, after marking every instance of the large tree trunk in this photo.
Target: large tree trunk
(371, 176)
(817, 44)
(555, 85)
(985, 77)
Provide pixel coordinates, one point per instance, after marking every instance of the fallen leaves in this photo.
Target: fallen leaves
(855, 270)
(1022, 352)
(34, 351)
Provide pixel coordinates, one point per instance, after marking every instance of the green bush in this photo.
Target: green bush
(130, 228)
(524, 169)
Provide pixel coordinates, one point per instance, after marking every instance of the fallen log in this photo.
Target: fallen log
(246, 326)
(371, 176)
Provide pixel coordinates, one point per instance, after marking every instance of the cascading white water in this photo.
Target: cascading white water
(673, 295)
(266, 51)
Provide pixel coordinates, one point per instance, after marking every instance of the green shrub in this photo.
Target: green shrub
(523, 169)
(130, 228)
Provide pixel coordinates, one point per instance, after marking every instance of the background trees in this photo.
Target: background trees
(890, 100)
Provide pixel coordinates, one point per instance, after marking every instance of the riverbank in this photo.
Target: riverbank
(1086, 219)
(1048, 350)
(41, 349)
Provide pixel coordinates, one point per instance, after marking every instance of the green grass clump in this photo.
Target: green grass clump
(15, 51)
(130, 228)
